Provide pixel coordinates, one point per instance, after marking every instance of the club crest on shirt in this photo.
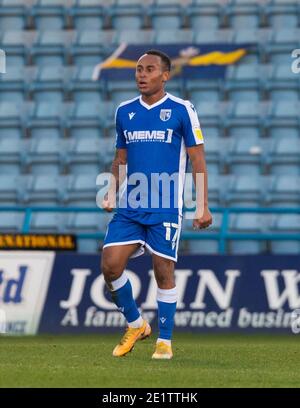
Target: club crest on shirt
(165, 114)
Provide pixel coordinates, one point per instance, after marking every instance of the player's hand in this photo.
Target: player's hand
(108, 203)
(204, 221)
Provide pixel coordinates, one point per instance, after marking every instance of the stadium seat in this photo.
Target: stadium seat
(12, 122)
(285, 156)
(48, 14)
(258, 39)
(48, 84)
(11, 189)
(211, 36)
(131, 36)
(204, 14)
(85, 156)
(46, 190)
(283, 84)
(82, 190)
(82, 87)
(245, 82)
(127, 13)
(282, 13)
(287, 224)
(204, 89)
(50, 47)
(244, 156)
(46, 156)
(48, 222)
(207, 245)
(11, 155)
(91, 47)
(244, 191)
(165, 13)
(14, 84)
(11, 221)
(46, 120)
(283, 117)
(88, 222)
(87, 14)
(282, 43)
(245, 118)
(173, 36)
(283, 191)
(214, 153)
(16, 45)
(13, 15)
(86, 118)
(121, 90)
(243, 13)
(247, 223)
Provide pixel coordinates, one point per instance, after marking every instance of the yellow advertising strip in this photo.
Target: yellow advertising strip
(218, 58)
(38, 241)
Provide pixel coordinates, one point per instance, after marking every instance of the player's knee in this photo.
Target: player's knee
(110, 270)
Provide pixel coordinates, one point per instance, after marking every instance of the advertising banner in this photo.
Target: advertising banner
(215, 293)
(24, 281)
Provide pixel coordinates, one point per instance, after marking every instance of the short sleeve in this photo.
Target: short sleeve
(192, 132)
(120, 138)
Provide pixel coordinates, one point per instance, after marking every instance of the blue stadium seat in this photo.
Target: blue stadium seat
(13, 14)
(243, 13)
(245, 118)
(46, 120)
(211, 36)
(86, 119)
(11, 221)
(283, 191)
(131, 36)
(82, 190)
(127, 13)
(87, 14)
(49, 14)
(48, 222)
(283, 84)
(173, 36)
(11, 120)
(11, 189)
(46, 155)
(204, 89)
(247, 223)
(166, 13)
(91, 47)
(83, 88)
(282, 13)
(281, 44)
(16, 45)
(281, 117)
(258, 39)
(204, 14)
(48, 84)
(85, 156)
(14, 84)
(213, 153)
(50, 47)
(245, 82)
(121, 90)
(245, 191)
(245, 156)
(285, 156)
(11, 155)
(46, 190)
(88, 222)
(288, 224)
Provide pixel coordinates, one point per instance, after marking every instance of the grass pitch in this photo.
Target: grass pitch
(199, 361)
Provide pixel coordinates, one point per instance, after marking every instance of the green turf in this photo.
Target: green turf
(199, 361)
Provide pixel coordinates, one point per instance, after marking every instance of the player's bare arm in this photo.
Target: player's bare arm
(118, 176)
(203, 217)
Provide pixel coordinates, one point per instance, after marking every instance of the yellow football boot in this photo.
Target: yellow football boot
(162, 351)
(130, 337)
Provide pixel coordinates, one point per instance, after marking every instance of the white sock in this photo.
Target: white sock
(168, 342)
(136, 324)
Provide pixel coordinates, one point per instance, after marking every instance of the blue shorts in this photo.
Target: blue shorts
(159, 233)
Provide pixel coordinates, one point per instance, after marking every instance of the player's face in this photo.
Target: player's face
(150, 75)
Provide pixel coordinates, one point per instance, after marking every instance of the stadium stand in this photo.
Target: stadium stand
(57, 124)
